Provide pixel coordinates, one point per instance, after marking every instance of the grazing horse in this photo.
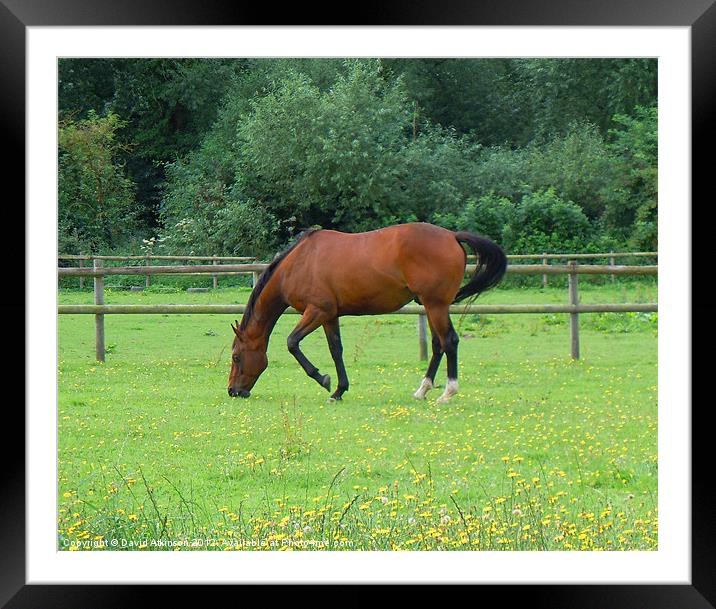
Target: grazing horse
(326, 274)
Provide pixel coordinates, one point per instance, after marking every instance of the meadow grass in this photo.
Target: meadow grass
(536, 452)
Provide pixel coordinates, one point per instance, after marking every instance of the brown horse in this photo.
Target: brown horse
(327, 274)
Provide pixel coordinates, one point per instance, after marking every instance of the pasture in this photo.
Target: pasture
(536, 452)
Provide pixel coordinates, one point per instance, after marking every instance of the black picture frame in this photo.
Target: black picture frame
(699, 15)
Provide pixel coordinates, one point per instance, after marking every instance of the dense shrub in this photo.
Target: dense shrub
(543, 222)
(487, 216)
(579, 166)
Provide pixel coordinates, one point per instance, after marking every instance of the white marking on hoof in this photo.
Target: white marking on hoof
(330, 400)
(425, 386)
(450, 390)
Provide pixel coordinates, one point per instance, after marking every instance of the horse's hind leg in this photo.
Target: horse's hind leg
(451, 342)
(333, 335)
(447, 339)
(428, 382)
(311, 319)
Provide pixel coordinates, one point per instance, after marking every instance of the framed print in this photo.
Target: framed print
(577, 478)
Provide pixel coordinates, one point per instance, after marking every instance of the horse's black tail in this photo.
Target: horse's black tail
(491, 265)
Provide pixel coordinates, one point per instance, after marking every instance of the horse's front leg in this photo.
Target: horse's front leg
(311, 319)
(333, 335)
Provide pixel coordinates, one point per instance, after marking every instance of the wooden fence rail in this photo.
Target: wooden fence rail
(155, 257)
(580, 256)
(610, 256)
(251, 258)
(99, 309)
(192, 309)
(523, 269)
(80, 258)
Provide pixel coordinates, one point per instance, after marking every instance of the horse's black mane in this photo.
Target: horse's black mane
(266, 275)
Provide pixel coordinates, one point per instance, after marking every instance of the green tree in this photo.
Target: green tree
(635, 143)
(578, 165)
(555, 93)
(326, 157)
(167, 105)
(95, 196)
(469, 95)
(350, 157)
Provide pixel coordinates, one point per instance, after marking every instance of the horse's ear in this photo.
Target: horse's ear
(236, 329)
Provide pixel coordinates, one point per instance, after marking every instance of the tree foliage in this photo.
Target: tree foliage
(635, 143)
(233, 156)
(95, 198)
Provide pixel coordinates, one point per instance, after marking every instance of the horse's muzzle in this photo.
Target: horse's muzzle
(240, 393)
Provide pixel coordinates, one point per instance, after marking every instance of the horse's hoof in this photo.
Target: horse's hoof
(333, 398)
(425, 386)
(450, 391)
(326, 382)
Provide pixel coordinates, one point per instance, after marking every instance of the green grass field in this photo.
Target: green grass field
(536, 452)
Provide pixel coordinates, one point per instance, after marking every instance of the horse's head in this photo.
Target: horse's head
(248, 361)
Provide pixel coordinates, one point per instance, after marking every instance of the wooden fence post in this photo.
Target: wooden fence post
(82, 279)
(423, 336)
(98, 319)
(214, 278)
(611, 263)
(147, 281)
(544, 277)
(574, 317)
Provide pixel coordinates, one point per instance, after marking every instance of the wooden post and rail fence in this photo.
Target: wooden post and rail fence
(147, 258)
(218, 260)
(572, 269)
